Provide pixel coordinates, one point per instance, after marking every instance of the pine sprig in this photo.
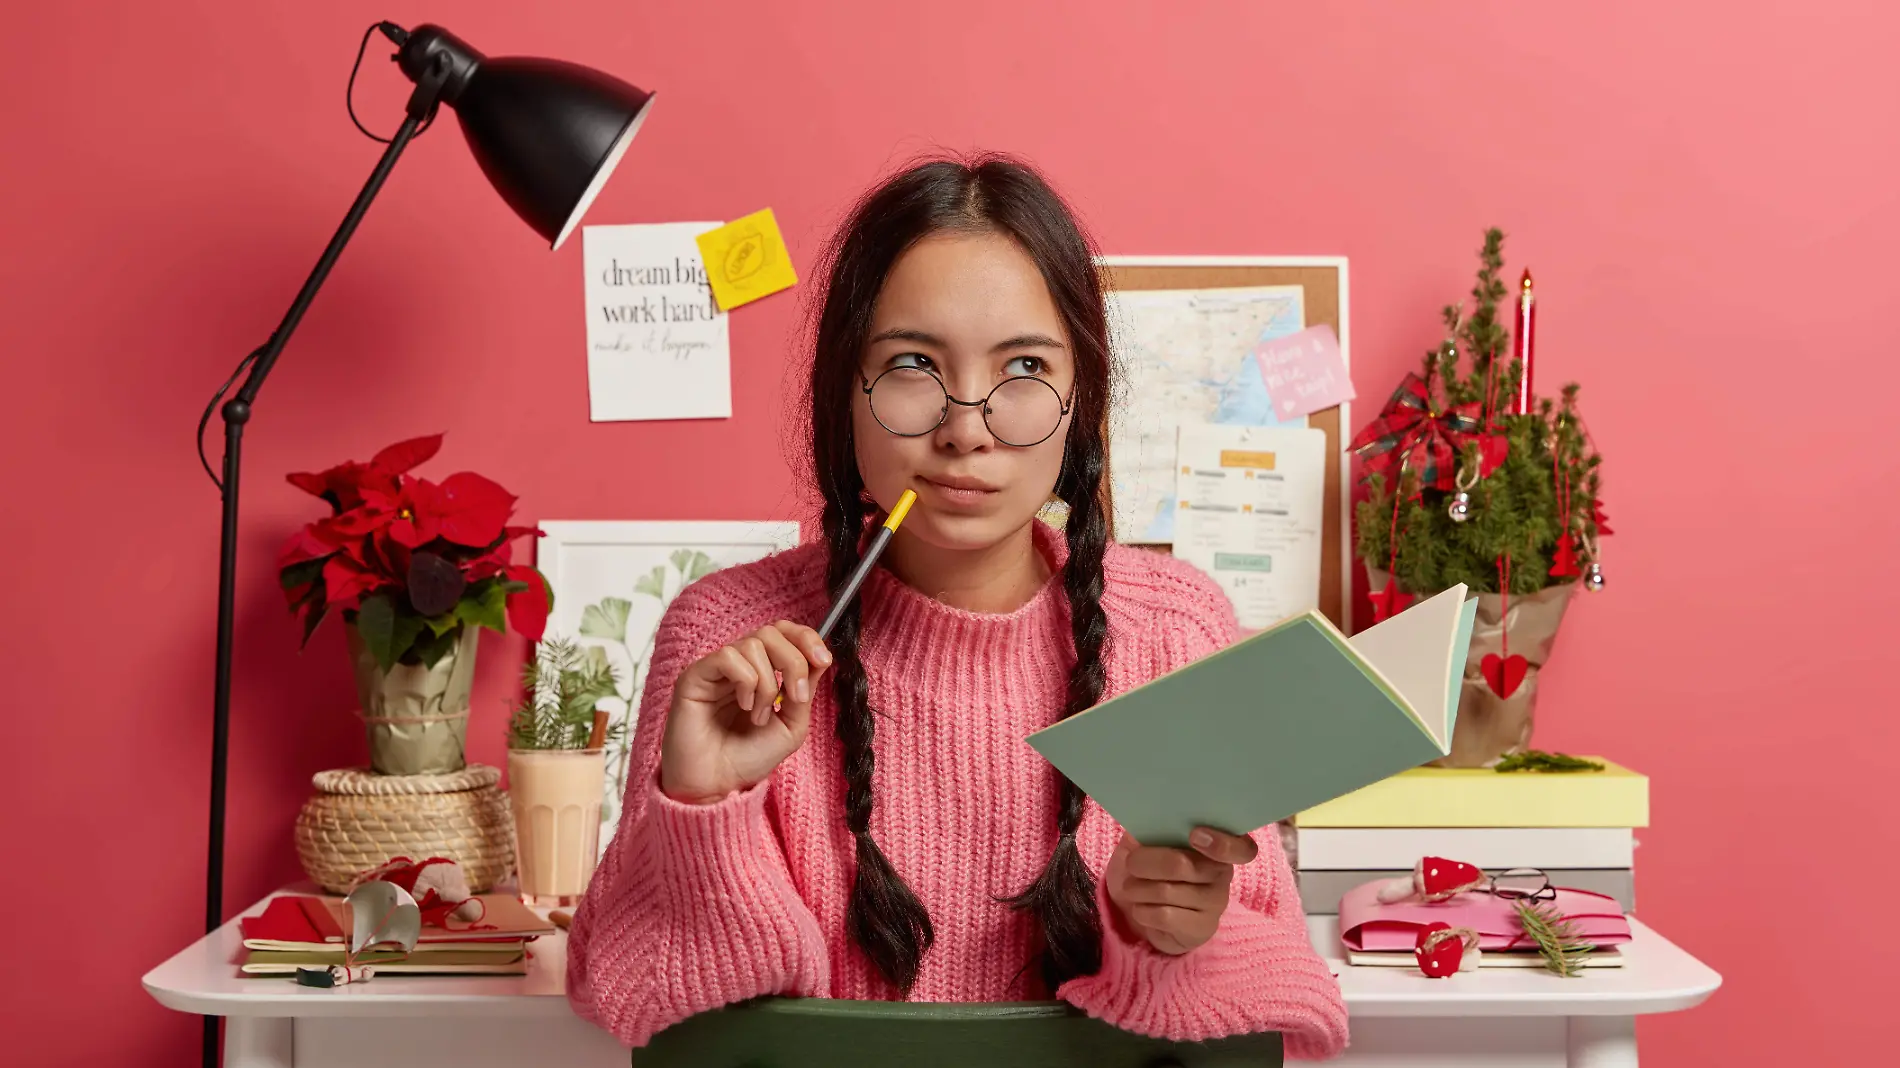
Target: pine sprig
(1538, 760)
(1556, 938)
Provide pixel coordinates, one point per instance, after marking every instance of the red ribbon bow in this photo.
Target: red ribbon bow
(1411, 431)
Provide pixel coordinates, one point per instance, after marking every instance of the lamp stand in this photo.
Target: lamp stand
(237, 413)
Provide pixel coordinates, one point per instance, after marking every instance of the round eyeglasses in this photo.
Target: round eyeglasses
(1523, 883)
(911, 402)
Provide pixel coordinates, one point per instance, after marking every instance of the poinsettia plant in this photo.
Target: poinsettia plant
(409, 562)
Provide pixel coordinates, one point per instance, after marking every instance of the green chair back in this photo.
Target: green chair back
(833, 1033)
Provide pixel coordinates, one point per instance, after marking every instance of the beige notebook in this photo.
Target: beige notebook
(443, 962)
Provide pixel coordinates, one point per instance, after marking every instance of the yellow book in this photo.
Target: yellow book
(1482, 797)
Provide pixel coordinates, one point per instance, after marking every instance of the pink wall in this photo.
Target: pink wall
(1704, 191)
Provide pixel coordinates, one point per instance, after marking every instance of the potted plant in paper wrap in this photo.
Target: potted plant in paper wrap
(416, 569)
(557, 769)
(1472, 478)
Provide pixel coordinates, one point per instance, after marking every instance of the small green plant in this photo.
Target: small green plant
(561, 686)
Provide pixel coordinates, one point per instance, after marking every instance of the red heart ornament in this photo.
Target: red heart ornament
(1504, 673)
(1439, 957)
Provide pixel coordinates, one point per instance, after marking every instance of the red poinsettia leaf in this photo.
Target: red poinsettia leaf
(356, 549)
(407, 532)
(297, 579)
(493, 562)
(387, 497)
(314, 614)
(472, 510)
(404, 455)
(301, 546)
(417, 517)
(344, 485)
(434, 583)
(309, 482)
(385, 556)
(528, 609)
(353, 524)
(346, 581)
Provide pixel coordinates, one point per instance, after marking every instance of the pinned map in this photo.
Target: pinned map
(1186, 356)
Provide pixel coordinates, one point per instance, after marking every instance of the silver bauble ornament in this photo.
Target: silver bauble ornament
(1593, 577)
(1460, 508)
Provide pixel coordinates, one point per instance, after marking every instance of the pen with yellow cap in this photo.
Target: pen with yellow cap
(865, 563)
(871, 553)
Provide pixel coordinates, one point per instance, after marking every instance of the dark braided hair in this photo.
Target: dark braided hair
(996, 195)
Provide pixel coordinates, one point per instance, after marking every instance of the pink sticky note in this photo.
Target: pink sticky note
(1304, 372)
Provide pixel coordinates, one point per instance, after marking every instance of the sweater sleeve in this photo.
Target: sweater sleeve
(693, 906)
(1260, 971)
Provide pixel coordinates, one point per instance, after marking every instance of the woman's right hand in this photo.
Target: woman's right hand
(723, 733)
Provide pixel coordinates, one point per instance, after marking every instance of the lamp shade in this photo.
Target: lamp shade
(546, 132)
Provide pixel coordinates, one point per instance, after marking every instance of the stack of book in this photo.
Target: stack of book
(298, 931)
(1578, 827)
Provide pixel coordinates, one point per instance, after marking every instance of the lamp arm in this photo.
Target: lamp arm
(421, 110)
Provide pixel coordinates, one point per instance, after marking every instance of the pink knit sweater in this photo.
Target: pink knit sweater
(695, 907)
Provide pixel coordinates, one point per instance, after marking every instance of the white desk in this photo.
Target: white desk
(1524, 1018)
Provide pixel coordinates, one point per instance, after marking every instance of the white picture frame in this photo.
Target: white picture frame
(612, 581)
(1337, 264)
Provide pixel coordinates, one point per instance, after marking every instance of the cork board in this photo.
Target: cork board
(1323, 279)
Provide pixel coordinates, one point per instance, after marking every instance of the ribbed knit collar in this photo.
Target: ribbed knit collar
(908, 629)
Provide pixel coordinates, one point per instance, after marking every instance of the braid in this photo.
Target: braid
(1063, 896)
(886, 920)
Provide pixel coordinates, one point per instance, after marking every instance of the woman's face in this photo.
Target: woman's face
(968, 311)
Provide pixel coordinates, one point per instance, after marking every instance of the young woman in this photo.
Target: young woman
(886, 832)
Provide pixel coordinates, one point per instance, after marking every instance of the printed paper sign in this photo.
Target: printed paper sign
(1304, 372)
(657, 345)
(747, 259)
(1250, 503)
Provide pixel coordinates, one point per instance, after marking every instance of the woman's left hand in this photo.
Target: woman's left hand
(1174, 897)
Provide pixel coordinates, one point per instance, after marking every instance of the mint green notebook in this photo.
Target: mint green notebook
(1276, 723)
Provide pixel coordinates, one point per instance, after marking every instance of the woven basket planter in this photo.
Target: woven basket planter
(358, 820)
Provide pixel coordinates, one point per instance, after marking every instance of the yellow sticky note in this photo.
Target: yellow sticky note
(746, 260)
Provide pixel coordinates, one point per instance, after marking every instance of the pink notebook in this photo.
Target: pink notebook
(1365, 924)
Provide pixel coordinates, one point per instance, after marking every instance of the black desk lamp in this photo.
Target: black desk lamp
(547, 134)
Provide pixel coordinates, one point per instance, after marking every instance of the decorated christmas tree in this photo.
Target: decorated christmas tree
(1465, 483)
(1472, 478)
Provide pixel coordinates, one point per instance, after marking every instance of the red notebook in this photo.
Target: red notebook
(292, 918)
(295, 920)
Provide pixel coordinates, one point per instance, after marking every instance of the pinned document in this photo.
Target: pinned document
(1249, 505)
